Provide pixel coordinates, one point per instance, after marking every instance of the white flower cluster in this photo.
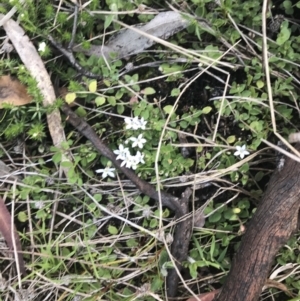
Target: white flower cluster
(123, 153)
(135, 123)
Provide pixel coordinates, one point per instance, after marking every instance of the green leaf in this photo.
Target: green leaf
(22, 217)
(231, 139)
(112, 230)
(193, 270)
(260, 84)
(120, 109)
(156, 284)
(148, 91)
(108, 20)
(288, 5)
(81, 112)
(259, 175)
(168, 109)
(66, 164)
(206, 110)
(100, 100)
(112, 100)
(153, 223)
(236, 210)
(283, 36)
(93, 86)
(229, 215)
(183, 124)
(214, 217)
(175, 92)
(56, 158)
(70, 97)
(131, 243)
(107, 83)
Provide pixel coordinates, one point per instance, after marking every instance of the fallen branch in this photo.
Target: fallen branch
(180, 246)
(129, 42)
(271, 226)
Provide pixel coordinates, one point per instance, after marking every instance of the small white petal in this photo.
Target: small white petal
(122, 152)
(111, 174)
(143, 123)
(42, 47)
(128, 122)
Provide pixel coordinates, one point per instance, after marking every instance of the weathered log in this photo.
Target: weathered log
(271, 226)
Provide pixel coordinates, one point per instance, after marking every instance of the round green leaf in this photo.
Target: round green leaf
(70, 97)
(93, 86)
(112, 100)
(231, 139)
(260, 84)
(168, 109)
(236, 210)
(112, 230)
(22, 217)
(175, 92)
(100, 100)
(214, 217)
(206, 110)
(148, 91)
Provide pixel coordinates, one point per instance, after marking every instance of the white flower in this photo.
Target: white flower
(142, 123)
(132, 123)
(139, 141)
(42, 47)
(147, 212)
(134, 162)
(241, 151)
(129, 162)
(128, 122)
(140, 157)
(122, 152)
(135, 123)
(106, 172)
(39, 204)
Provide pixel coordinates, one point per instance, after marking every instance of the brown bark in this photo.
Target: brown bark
(271, 226)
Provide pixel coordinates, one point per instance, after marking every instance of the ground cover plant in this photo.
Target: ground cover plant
(196, 110)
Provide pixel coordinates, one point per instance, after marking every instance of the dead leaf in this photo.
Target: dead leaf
(133, 100)
(8, 230)
(13, 92)
(280, 286)
(206, 296)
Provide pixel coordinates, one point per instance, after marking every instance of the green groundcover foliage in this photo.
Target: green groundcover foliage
(199, 111)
